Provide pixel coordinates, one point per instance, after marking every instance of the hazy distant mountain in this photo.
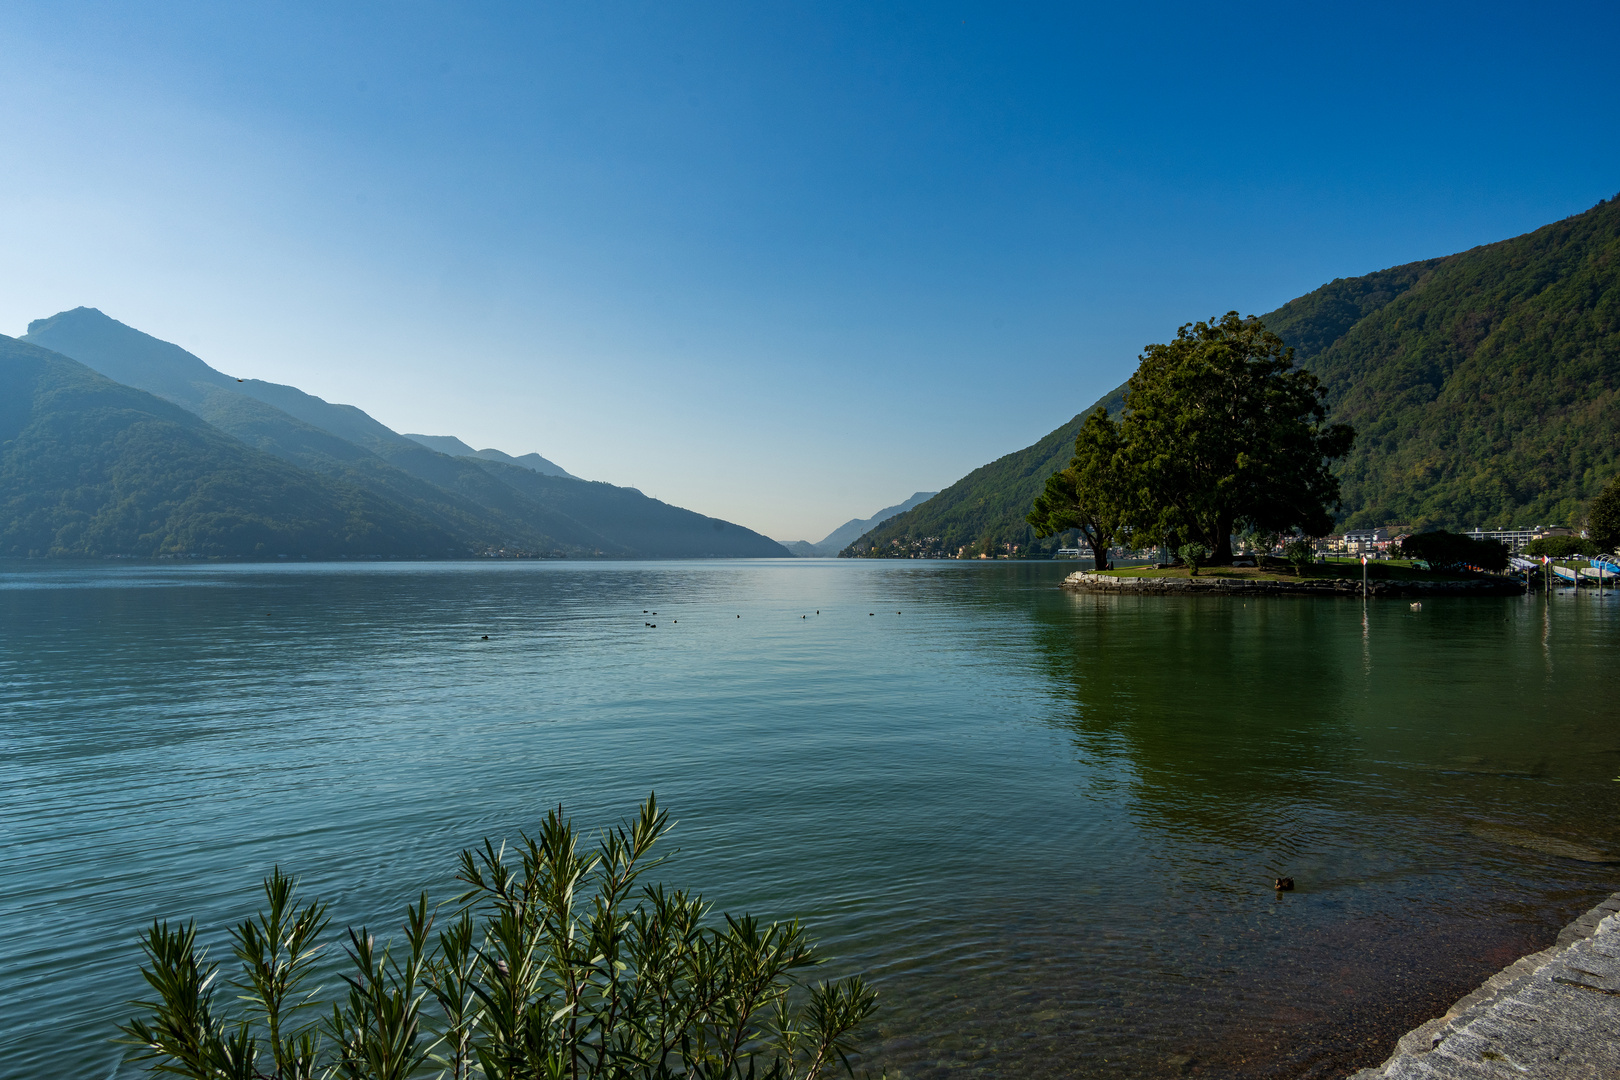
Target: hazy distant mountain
(470, 499)
(851, 530)
(801, 549)
(90, 468)
(468, 511)
(636, 522)
(449, 444)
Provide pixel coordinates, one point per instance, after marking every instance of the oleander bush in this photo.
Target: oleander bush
(554, 962)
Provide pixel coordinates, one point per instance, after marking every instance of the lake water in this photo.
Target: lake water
(1046, 824)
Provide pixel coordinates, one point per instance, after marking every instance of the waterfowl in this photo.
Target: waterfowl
(1285, 884)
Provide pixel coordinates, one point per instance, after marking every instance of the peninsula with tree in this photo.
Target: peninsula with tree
(1221, 432)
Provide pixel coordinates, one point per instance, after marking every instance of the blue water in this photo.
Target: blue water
(1046, 824)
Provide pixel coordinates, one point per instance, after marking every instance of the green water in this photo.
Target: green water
(1047, 824)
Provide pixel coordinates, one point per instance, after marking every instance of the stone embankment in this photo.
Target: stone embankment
(1089, 581)
(1553, 1014)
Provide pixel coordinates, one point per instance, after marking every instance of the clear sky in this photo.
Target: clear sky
(781, 263)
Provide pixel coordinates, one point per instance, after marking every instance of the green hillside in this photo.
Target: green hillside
(1482, 386)
(1486, 394)
(90, 468)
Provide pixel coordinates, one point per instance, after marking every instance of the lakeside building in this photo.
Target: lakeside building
(1365, 541)
(1516, 539)
(1387, 538)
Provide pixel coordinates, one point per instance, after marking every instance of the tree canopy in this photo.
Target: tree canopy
(1445, 550)
(1603, 517)
(1088, 495)
(1561, 547)
(1221, 432)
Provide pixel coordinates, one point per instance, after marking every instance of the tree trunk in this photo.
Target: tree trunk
(1221, 544)
(1099, 552)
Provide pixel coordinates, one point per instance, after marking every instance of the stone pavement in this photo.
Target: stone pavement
(1555, 1013)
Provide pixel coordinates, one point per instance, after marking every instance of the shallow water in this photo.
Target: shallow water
(1047, 824)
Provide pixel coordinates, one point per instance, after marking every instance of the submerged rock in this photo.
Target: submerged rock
(1547, 845)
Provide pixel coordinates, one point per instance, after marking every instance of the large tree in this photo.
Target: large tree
(1221, 432)
(1603, 517)
(1090, 494)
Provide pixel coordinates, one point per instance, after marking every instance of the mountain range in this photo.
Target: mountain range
(1484, 388)
(113, 442)
(839, 538)
(851, 530)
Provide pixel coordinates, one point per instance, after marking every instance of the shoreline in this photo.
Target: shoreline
(1552, 1013)
(1091, 581)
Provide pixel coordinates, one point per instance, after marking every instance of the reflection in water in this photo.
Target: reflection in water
(1047, 823)
(1227, 729)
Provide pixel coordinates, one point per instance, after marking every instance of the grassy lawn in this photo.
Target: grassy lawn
(1385, 570)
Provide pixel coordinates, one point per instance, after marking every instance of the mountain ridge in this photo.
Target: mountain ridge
(479, 508)
(454, 447)
(91, 468)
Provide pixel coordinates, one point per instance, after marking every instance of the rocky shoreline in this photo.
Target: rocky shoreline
(1552, 1014)
(1090, 581)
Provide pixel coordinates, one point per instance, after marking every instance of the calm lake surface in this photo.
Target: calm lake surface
(1047, 824)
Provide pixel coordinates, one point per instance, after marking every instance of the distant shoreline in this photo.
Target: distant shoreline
(1091, 581)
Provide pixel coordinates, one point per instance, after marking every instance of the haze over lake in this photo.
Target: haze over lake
(1046, 824)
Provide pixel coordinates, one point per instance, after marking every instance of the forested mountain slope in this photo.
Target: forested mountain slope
(1487, 394)
(91, 468)
(1482, 386)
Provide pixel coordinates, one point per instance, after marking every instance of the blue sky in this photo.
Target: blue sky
(781, 263)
